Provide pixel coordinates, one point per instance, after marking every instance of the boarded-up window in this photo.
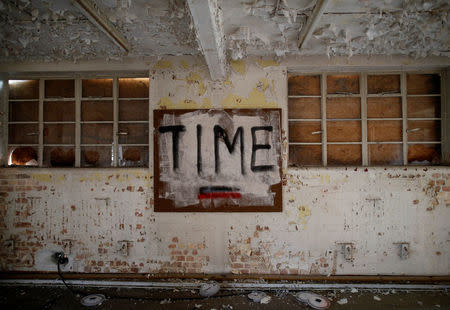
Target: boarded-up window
(364, 119)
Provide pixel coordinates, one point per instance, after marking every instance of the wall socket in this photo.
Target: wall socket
(403, 249)
(347, 250)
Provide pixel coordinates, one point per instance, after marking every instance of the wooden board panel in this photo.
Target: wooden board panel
(97, 88)
(24, 89)
(381, 84)
(23, 134)
(23, 155)
(424, 130)
(97, 111)
(59, 134)
(133, 133)
(385, 154)
(305, 155)
(384, 131)
(133, 110)
(59, 111)
(343, 131)
(343, 107)
(304, 85)
(133, 156)
(59, 156)
(96, 133)
(341, 155)
(304, 108)
(305, 132)
(217, 160)
(59, 89)
(96, 156)
(343, 84)
(133, 87)
(24, 111)
(424, 106)
(421, 84)
(424, 154)
(389, 107)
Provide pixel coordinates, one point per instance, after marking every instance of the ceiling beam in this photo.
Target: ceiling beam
(207, 18)
(308, 29)
(93, 13)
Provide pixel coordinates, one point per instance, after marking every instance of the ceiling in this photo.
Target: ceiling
(44, 30)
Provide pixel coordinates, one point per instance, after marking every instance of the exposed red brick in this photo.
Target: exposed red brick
(130, 188)
(416, 201)
(440, 182)
(446, 188)
(172, 246)
(190, 258)
(22, 224)
(140, 189)
(138, 226)
(181, 258)
(175, 239)
(436, 175)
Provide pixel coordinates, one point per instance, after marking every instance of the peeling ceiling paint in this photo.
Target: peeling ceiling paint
(44, 30)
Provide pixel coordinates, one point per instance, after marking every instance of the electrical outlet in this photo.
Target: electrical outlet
(60, 258)
(347, 250)
(403, 249)
(124, 247)
(67, 246)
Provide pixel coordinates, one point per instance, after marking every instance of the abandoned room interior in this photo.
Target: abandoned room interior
(225, 154)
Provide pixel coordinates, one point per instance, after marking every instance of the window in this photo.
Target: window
(339, 119)
(92, 122)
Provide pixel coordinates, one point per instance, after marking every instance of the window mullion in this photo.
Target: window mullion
(115, 149)
(405, 118)
(363, 93)
(78, 91)
(323, 90)
(4, 120)
(41, 122)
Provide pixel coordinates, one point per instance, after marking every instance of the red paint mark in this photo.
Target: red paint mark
(219, 195)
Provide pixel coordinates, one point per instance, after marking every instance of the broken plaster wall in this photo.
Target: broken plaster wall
(104, 219)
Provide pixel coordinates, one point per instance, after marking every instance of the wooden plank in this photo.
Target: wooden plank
(343, 107)
(305, 155)
(133, 110)
(59, 111)
(24, 89)
(97, 110)
(379, 84)
(59, 156)
(59, 88)
(23, 134)
(304, 85)
(96, 133)
(135, 133)
(424, 130)
(59, 133)
(97, 88)
(133, 87)
(304, 108)
(23, 111)
(385, 154)
(389, 107)
(421, 84)
(382, 131)
(96, 156)
(424, 154)
(424, 106)
(305, 132)
(343, 131)
(341, 154)
(343, 84)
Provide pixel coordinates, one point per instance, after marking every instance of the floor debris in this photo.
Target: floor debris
(342, 301)
(313, 300)
(376, 298)
(209, 289)
(256, 296)
(92, 300)
(354, 290)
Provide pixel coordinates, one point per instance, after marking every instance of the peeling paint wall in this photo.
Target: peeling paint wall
(104, 218)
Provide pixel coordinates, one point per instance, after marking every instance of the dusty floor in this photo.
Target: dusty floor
(47, 297)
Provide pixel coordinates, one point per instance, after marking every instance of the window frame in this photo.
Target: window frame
(78, 78)
(364, 95)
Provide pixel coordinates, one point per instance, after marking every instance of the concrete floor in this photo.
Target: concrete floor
(58, 297)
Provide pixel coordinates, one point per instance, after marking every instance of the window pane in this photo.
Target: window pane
(421, 84)
(133, 110)
(304, 85)
(97, 88)
(424, 106)
(133, 156)
(384, 131)
(133, 133)
(384, 107)
(23, 134)
(382, 84)
(424, 131)
(55, 111)
(304, 108)
(26, 111)
(133, 88)
(97, 111)
(305, 132)
(343, 84)
(343, 107)
(343, 131)
(96, 156)
(56, 156)
(341, 154)
(59, 134)
(59, 89)
(96, 133)
(385, 154)
(23, 156)
(424, 154)
(23, 89)
(305, 155)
